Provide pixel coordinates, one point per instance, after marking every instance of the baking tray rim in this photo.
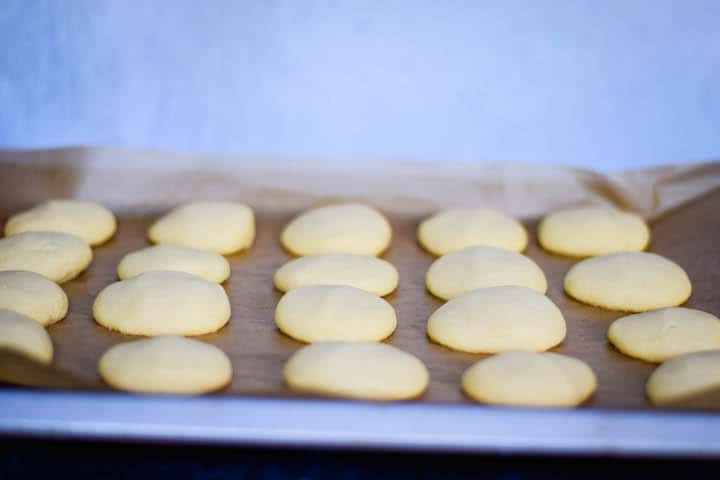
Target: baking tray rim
(326, 423)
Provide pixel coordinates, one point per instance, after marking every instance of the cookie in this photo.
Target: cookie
(344, 228)
(24, 335)
(166, 364)
(659, 335)
(90, 221)
(220, 227)
(455, 229)
(211, 266)
(498, 319)
(361, 370)
(530, 379)
(321, 313)
(481, 267)
(683, 377)
(32, 295)
(629, 282)
(163, 303)
(589, 231)
(57, 256)
(367, 273)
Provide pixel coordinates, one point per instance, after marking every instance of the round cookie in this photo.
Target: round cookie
(24, 335)
(344, 228)
(88, 220)
(592, 230)
(163, 303)
(455, 229)
(322, 313)
(530, 379)
(368, 273)
(481, 267)
(32, 295)
(211, 266)
(167, 364)
(220, 227)
(362, 370)
(629, 282)
(683, 377)
(658, 335)
(57, 256)
(498, 319)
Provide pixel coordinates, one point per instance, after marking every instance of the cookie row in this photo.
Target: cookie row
(359, 229)
(494, 306)
(48, 243)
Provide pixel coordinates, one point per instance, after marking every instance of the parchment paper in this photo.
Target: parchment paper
(683, 204)
(125, 178)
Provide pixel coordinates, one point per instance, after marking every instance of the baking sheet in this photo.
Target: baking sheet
(682, 202)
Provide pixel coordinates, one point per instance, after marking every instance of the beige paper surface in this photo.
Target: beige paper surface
(131, 179)
(685, 227)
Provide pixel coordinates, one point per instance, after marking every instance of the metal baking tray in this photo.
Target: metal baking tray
(257, 409)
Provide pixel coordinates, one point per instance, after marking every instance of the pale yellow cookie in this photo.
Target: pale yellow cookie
(88, 220)
(57, 256)
(163, 303)
(33, 295)
(211, 266)
(630, 282)
(220, 227)
(166, 364)
(662, 334)
(363, 370)
(683, 377)
(480, 267)
(455, 229)
(368, 273)
(24, 335)
(344, 228)
(498, 319)
(590, 231)
(530, 379)
(321, 313)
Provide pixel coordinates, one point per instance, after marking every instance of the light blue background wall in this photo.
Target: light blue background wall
(606, 84)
